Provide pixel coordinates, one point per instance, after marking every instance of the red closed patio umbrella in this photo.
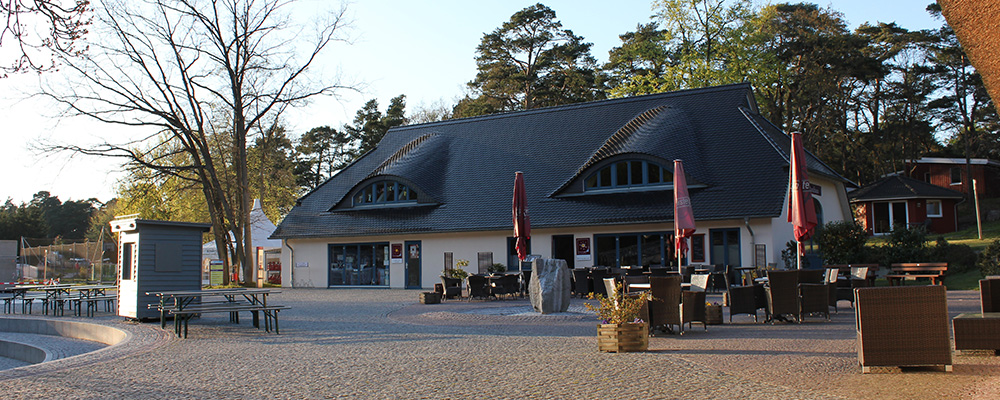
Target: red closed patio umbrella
(801, 212)
(522, 224)
(683, 215)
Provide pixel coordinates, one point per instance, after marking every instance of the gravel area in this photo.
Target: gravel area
(360, 343)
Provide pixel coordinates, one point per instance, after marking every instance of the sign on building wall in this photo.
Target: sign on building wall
(397, 253)
(583, 249)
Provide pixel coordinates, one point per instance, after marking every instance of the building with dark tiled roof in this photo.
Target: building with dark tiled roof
(903, 201)
(955, 173)
(599, 181)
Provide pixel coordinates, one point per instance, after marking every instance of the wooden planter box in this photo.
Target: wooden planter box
(430, 298)
(713, 315)
(618, 338)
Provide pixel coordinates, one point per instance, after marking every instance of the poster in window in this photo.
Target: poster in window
(397, 253)
(583, 249)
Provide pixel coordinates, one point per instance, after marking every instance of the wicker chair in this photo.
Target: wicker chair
(831, 282)
(783, 294)
(664, 309)
(699, 282)
(989, 294)
(902, 326)
(858, 279)
(479, 286)
(692, 308)
(582, 283)
(452, 287)
(741, 301)
(630, 279)
(718, 280)
(814, 297)
(597, 276)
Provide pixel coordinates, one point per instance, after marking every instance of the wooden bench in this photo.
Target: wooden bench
(182, 316)
(902, 271)
(91, 303)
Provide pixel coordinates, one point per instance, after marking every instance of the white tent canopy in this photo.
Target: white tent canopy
(260, 227)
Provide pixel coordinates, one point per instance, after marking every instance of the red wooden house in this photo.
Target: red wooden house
(951, 173)
(900, 200)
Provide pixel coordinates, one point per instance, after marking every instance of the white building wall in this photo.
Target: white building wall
(307, 259)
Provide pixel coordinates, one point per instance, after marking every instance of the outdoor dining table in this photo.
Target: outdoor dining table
(183, 299)
(90, 292)
(52, 293)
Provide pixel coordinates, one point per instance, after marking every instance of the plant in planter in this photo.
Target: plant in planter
(457, 272)
(621, 329)
(497, 268)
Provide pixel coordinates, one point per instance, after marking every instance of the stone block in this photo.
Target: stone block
(549, 288)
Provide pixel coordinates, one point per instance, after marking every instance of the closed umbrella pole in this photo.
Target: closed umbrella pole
(801, 211)
(522, 224)
(683, 215)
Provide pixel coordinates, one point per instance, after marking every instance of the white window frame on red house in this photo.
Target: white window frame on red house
(940, 209)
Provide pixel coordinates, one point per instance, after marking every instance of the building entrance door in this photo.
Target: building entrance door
(563, 248)
(413, 255)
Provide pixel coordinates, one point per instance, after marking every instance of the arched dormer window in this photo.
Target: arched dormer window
(384, 192)
(628, 174)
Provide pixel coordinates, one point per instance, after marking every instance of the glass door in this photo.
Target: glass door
(413, 264)
(725, 247)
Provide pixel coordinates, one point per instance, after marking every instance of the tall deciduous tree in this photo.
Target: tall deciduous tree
(528, 62)
(191, 69)
(39, 28)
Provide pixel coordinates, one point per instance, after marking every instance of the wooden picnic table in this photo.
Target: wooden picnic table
(188, 303)
(52, 294)
(933, 271)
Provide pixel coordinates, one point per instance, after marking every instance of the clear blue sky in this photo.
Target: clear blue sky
(424, 49)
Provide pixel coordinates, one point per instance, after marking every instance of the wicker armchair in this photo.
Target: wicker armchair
(902, 326)
(783, 294)
(699, 282)
(831, 282)
(597, 276)
(479, 286)
(741, 301)
(452, 287)
(664, 309)
(630, 279)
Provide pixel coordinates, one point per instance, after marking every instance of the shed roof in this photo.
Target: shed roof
(899, 187)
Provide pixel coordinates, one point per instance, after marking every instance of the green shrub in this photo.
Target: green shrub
(842, 242)
(960, 257)
(989, 259)
(906, 245)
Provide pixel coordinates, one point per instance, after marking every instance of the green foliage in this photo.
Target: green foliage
(370, 125)
(905, 245)
(842, 242)
(530, 62)
(456, 273)
(989, 259)
(497, 268)
(321, 152)
(789, 257)
(21, 221)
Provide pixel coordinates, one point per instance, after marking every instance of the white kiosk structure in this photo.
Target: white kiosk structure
(155, 256)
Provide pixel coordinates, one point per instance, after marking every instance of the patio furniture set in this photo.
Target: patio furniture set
(184, 305)
(485, 286)
(56, 298)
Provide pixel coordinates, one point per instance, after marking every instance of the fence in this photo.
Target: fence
(86, 261)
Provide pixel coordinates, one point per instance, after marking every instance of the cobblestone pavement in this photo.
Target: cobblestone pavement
(359, 343)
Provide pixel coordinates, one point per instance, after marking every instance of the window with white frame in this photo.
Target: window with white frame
(934, 209)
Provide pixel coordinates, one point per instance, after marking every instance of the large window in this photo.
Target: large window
(384, 192)
(616, 250)
(365, 264)
(629, 173)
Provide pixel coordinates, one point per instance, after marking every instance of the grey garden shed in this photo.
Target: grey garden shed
(155, 256)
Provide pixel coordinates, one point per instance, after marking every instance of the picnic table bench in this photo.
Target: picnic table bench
(902, 271)
(189, 304)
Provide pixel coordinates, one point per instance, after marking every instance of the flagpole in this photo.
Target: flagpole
(798, 254)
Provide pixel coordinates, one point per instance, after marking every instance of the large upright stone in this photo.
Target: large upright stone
(549, 288)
